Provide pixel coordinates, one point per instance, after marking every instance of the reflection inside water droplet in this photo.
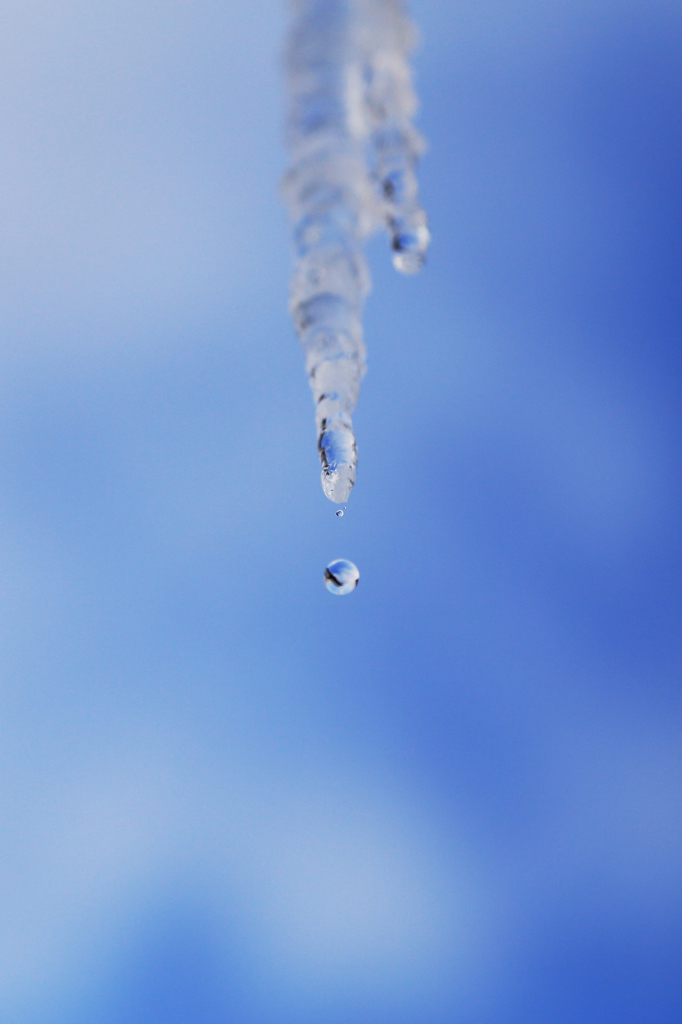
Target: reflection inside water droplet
(341, 576)
(339, 512)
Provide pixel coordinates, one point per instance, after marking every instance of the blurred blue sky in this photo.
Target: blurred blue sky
(454, 796)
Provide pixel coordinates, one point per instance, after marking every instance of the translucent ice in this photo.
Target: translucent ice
(341, 577)
(354, 156)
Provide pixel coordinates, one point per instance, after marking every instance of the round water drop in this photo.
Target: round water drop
(341, 576)
(339, 512)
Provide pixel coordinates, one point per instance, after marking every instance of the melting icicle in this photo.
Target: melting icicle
(394, 143)
(354, 154)
(341, 577)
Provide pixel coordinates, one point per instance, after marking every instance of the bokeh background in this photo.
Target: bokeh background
(227, 796)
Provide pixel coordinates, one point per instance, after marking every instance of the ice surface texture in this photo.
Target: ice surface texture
(354, 155)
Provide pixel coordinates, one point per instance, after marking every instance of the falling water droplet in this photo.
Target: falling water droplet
(341, 577)
(339, 512)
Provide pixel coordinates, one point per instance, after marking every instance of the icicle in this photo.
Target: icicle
(395, 145)
(354, 154)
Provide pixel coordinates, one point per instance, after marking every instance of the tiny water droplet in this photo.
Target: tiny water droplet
(410, 240)
(339, 512)
(341, 577)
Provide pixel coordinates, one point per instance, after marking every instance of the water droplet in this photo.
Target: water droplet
(410, 240)
(339, 457)
(339, 512)
(341, 576)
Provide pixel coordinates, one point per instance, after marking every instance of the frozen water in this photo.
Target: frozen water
(341, 577)
(354, 157)
(394, 143)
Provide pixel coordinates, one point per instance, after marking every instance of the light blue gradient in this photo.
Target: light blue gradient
(453, 798)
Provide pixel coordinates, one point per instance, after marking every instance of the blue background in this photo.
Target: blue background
(227, 796)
